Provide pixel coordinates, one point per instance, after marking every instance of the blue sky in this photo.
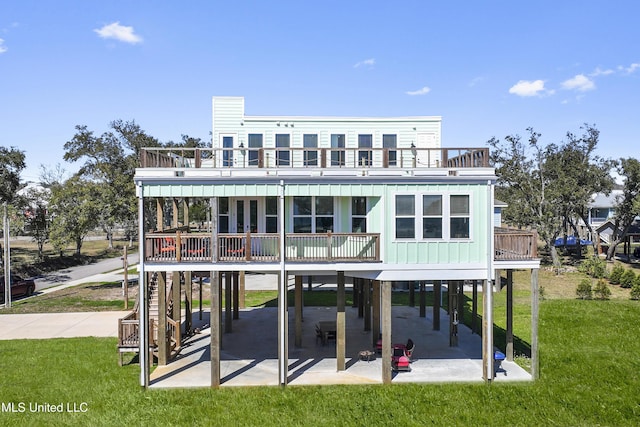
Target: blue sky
(489, 68)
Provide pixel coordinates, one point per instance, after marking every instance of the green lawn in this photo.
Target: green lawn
(590, 375)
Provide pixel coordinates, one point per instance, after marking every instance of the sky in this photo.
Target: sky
(489, 68)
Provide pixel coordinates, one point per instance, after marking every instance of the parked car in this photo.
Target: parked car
(19, 287)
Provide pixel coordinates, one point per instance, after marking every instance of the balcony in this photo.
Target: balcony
(510, 245)
(515, 245)
(263, 247)
(295, 157)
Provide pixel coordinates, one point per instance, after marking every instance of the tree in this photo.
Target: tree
(11, 164)
(110, 160)
(547, 186)
(629, 206)
(75, 210)
(37, 217)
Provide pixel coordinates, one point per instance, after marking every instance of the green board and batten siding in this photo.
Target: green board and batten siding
(381, 216)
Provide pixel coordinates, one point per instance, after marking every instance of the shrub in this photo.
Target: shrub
(627, 278)
(635, 290)
(594, 267)
(584, 290)
(601, 290)
(616, 273)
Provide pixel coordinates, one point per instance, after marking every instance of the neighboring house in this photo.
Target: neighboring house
(498, 206)
(372, 200)
(601, 209)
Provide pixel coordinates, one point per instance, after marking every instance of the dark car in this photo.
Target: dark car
(19, 287)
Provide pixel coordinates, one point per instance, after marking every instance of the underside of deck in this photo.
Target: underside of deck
(249, 354)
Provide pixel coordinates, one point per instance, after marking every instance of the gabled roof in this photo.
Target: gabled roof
(601, 200)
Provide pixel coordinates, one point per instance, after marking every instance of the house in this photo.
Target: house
(372, 201)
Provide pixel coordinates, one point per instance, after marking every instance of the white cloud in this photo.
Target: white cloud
(423, 91)
(366, 63)
(475, 81)
(600, 72)
(3, 48)
(530, 88)
(580, 83)
(119, 32)
(630, 69)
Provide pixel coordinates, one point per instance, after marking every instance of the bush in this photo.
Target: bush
(635, 290)
(584, 290)
(601, 290)
(616, 273)
(594, 267)
(627, 279)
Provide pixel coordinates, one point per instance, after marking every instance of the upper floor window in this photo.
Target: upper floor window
(390, 142)
(459, 213)
(310, 156)
(227, 155)
(255, 142)
(337, 155)
(431, 216)
(312, 214)
(405, 216)
(359, 214)
(283, 157)
(444, 216)
(271, 214)
(365, 157)
(223, 214)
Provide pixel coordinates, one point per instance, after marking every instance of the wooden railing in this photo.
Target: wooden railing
(297, 157)
(513, 244)
(263, 247)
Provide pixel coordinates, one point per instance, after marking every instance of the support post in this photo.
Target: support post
(159, 214)
(283, 319)
(227, 302)
(175, 284)
(174, 211)
(375, 330)
(242, 289)
(214, 318)
(143, 302)
(188, 302)
(340, 324)
(366, 284)
(474, 308)
(535, 295)
(453, 295)
(235, 276)
(125, 280)
(386, 332)
(163, 344)
(298, 310)
(487, 331)
(423, 300)
(200, 298)
(437, 297)
(509, 331)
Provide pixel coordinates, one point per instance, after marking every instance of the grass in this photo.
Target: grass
(589, 376)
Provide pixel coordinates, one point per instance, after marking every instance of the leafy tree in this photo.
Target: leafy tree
(75, 212)
(37, 217)
(11, 164)
(629, 206)
(110, 160)
(546, 187)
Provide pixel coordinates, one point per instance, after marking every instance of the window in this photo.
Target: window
(405, 216)
(312, 214)
(359, 214)
(283, 157)
(459, 221)
(337, 156)
(223, 214)
(365, 157)
(302, 214)
(255, 141)
(310, 156)
(324, 214)
(391, 142)
(227, 154)
(431, 216)
(444, 217)
(271, 214)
